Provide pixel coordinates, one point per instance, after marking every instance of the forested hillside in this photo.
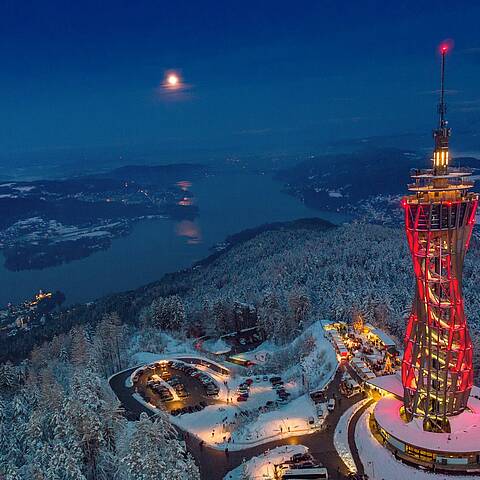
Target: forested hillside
(290, 277)
(63, 420)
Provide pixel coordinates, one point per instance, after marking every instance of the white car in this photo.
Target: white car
(331, 404)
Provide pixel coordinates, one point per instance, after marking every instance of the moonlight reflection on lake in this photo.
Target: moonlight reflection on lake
(227, 204)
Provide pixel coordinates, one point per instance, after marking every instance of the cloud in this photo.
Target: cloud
(254, 131)
(177, 91)
(472, 50)
(437, 92)
(466, 106)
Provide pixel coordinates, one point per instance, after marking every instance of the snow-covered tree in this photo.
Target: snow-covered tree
(167, 313)
(110, 344)
(152, 451)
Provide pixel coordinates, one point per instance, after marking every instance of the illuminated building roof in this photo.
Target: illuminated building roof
(464, 436)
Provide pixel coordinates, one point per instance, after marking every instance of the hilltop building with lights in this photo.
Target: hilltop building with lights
(430, 416)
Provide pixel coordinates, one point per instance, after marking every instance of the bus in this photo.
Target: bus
(306, 473)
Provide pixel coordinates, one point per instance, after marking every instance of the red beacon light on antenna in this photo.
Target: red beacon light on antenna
(446, 46)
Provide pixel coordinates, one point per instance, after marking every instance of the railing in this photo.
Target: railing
(414, 172)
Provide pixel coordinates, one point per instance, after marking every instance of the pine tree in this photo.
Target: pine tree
(81, 348)
(110, 343)
(168, 313)
(152, 452)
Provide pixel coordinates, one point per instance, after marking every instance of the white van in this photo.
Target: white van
(331, 405)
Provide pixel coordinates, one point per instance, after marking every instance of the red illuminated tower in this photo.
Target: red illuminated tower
(437, 372)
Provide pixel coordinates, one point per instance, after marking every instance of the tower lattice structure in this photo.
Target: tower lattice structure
(437, 371)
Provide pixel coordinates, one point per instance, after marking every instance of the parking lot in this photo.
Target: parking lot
(176, 387)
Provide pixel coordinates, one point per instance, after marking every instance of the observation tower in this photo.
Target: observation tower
(429, 416)
(437, 373)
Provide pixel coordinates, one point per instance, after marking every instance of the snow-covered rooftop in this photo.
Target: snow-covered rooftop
(393, 384)
(390, 383)
(216, 346)
(384, 338)
(464, 438)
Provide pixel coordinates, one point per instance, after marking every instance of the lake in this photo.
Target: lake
(228, 203)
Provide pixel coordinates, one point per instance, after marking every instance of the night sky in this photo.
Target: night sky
(257, 73)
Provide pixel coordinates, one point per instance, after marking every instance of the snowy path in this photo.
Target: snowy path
(340, 438)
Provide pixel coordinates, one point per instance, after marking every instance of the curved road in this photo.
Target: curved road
(214, 464)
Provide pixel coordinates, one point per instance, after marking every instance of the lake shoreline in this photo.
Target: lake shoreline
(156, 247)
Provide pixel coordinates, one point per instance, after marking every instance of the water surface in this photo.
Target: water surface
(228, 203)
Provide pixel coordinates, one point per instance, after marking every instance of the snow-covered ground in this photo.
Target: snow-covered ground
(318, 366)
(223, 426)
(291, 419)
(259, 354)
(216, 346)
(262, 466)
(217, 424)
(171, 346)
(340, 438)
(380, 464)
(240, 425)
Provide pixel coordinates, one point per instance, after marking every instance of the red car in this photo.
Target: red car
(242, 399)
(248, 381)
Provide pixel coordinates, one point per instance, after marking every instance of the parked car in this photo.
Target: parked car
(318, 397)
(300, 457)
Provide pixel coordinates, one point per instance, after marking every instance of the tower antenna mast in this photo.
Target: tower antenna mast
(442, 107)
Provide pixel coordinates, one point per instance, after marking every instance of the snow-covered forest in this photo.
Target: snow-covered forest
(294, 277)
(59, 420)
(63, 420)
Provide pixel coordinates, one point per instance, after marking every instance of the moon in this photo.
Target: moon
(173, 80)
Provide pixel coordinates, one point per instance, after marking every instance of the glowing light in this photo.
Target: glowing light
(446, 46)
(173, 80)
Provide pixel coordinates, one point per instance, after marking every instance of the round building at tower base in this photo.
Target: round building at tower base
(455, 452)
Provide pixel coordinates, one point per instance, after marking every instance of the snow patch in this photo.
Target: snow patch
(24, 189)
(262, 466)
